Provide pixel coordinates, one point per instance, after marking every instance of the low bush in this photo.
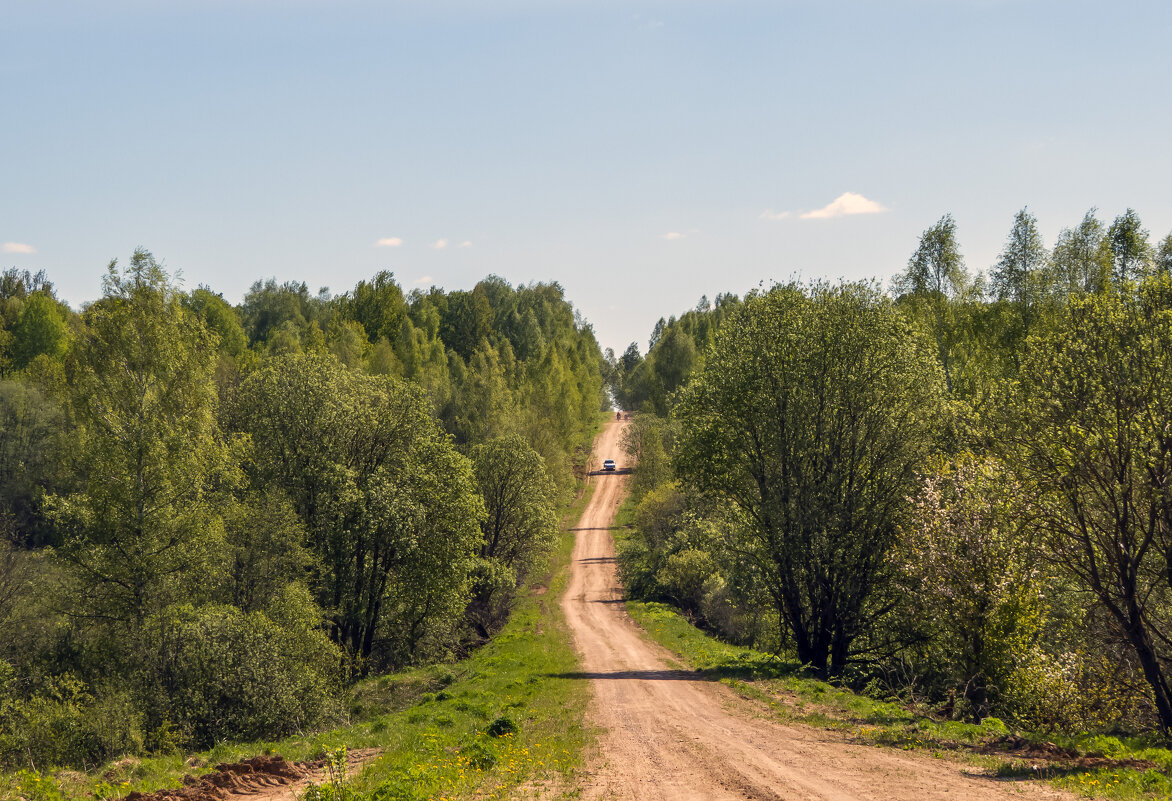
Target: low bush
(230, 675)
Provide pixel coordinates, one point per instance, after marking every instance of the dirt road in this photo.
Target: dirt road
(667, 735)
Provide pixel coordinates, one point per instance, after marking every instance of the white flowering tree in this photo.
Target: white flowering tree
(972, 571)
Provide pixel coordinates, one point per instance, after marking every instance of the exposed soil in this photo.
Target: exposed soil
(272, 778)
(670, 734)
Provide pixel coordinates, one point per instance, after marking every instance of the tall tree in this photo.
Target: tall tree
(1015, 275)
(33, 445)
(390, 508)
(1081, 261)
(1131, 253)
(1163, 263)
(968, 555)
(810, 419)
(40, 329)
(936, 268)
(934, 276)
(141, 387)
(518, 529)
(1092, 447)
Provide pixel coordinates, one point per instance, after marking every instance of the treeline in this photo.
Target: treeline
(214, 517)
(958, 492)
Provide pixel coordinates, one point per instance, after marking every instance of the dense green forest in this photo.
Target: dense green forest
(957, 491)
(215, 517)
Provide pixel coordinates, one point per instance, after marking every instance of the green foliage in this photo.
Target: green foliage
(1089, 442)
(61, 722)
(336, 786)
(281, 317)
(518, 528)
(220, 318)
(142, 531)
(967, 555)
(809, 419)
(647, 442)
(33, 444)
(1163, 262)
(1017, 274)
(502, 726)
(936, 269)
(230, 675)
(1131, 253)
(1081, 261)
(40, 329)
(678, 349)
(390, 508)
(265, 550)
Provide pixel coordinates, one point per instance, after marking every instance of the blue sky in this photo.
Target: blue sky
(639, 153)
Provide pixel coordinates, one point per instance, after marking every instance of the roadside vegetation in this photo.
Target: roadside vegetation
(478, 728)
(951, 497)
(217, 521)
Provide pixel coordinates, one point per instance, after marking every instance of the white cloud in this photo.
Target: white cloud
(465, 244)
(440, 244)
(770, 214)
(672, 235)
(427, 279)
(844, 204)
(17, 247)
(389, 242)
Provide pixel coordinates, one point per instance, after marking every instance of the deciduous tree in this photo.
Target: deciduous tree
(1093, 449)
(810, 419)
(140, 377)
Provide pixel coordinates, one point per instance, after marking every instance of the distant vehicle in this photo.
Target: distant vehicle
(608, 464)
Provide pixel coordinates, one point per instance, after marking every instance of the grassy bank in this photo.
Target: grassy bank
(436, 725)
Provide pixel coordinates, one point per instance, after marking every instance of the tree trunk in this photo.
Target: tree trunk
(1153, 672)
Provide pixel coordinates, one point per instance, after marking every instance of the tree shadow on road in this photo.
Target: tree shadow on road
(745, 672)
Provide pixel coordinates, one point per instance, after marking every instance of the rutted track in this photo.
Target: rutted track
(667, 735)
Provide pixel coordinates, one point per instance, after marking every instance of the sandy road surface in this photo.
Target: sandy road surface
(668, 735)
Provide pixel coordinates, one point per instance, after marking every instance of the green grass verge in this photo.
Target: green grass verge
(432, 723)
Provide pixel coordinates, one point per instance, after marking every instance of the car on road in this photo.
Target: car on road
(608, 464)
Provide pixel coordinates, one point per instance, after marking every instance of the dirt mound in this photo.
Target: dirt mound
(237, 778)
(266, 778)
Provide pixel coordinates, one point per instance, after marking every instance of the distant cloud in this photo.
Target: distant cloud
(770, 214)
(465, 244)
(672, 235)
(427, 279)
(845, 204)
(440, 244)
(17, 247)
(389, 242)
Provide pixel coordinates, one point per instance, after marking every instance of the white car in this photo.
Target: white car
(608, 464)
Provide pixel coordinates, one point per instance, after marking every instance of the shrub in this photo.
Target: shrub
(226, 674)
(62, 723)
(502, 726)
